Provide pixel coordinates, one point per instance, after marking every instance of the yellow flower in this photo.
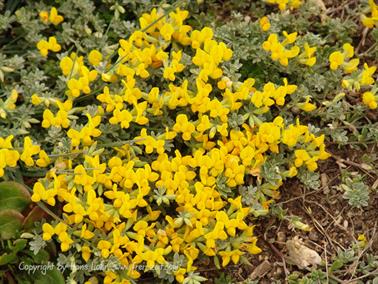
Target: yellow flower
(269, 132)
(85, 253)
(351, 65)
(362, 241)
(307, 106)
(284, 4)
(86, 133)
(53, 44)
(370, 100)
(60, 119)
(338, 59)
(29, 151)
(278, 50)
(153, 256)
(54, 18)
(199, 37)
(301, 157)
(233, 255)
(43, 160)
(370, 22)
(51, 17)
(41, 193)
(36, 100)
(65, 240)
(8, 157)
(44, 15)
(307, 57)
(292, 172)
(180, 275)
(9, 104)
(85, 233)
(139, 112)
(184, 126)
(66, 65)
(174, 67)
(366, 76)
(264, 23)
(141, 71)
(44, 46)
(48, 118)
(48, 231)
(204, 124)
(104, 246)
(166, 31)
(224, 83)
(94, 57)
(123, 117)
(291, 134)
(75, 137)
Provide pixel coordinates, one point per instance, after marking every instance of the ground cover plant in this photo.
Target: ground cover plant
(188, 142)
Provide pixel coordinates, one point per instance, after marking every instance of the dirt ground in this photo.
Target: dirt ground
(335, 225)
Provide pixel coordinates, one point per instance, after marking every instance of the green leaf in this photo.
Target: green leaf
(10, 223)
(216, 262)
(309, 179)
(336, 265)
(13, 195)
(7, 258)
(41, 257)
(357, 193)
(52, 276)
(19, 245)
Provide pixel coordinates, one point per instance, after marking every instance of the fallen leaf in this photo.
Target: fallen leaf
(300, 255)
(261, 270)
(375, 185)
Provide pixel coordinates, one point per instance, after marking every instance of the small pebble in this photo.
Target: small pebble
(345, 224)
(313, 236)
(281, 237)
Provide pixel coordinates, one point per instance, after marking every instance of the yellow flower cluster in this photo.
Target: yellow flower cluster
(8, 156)
(343, 59)
(9, 104)
(285, 4)
(60, 119)
(86, 133)
(364, 78)
(61, 231)
(52, 45)
(307, 56)
(278, 49)
(52, 17)
(357, 78)
(163, 193)
(314, 152)
(371, 21)
(280, 53)
(272, 95)
(264, 23)
(78, 75)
